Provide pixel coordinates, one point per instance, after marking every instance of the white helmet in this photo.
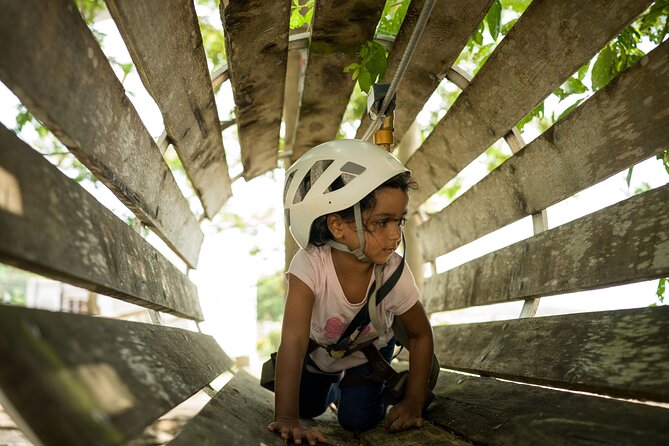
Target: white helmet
(361, 166)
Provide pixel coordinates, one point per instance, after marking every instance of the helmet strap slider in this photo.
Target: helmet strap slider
(359, 252)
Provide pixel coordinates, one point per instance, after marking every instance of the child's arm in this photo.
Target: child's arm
(407, 413)
(294, 342)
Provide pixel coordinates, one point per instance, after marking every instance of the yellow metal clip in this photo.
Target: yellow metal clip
(384, 136)
(337, 354)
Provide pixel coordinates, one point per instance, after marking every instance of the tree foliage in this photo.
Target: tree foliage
(301, 14)
(270, 297)
(373, 57)
(372, 66)
(13, 285)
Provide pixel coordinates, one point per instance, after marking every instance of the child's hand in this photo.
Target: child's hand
(291, 428)
(404, 415)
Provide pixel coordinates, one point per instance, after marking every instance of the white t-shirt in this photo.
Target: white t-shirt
(332, 312)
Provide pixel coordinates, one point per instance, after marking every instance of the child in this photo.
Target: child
(345, 204)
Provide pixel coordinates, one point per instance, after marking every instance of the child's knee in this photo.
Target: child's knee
(357, 421)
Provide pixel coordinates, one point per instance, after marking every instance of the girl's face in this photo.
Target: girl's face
(383, 225)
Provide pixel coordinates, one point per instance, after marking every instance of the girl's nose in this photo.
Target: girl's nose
(395, 233)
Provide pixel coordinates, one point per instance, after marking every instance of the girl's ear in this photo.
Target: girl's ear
(335, 225)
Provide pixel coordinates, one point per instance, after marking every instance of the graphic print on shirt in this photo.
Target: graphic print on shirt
(335, 327)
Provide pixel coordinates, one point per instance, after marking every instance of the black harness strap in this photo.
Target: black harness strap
(362, 319)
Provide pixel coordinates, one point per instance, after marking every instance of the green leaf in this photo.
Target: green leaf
(628, 178)
(580, 74)
(365, 80)
(22, 117)
(571, 86)
(478, 34)
(309, 16)
(354, 66)
(392, 17)
(629, 38)
(575, 86)
(560, 93)
(633, 56)
(482, 56)
(372, 67)
(376, 61)
(664, 157)
(537, 112)
(508, 25)
(494, 19)
(364, 51)
(604, 69)
(297, 19)
(516, 5)
(569, 109)
(662, 288)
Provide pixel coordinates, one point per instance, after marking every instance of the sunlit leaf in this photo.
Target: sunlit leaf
(569, 110)
(662, 288)
(494, 19)
(604, 69)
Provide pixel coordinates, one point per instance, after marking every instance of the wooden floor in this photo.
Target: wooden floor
(165, 429)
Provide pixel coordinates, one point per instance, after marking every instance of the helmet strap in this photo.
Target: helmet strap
(359, 252)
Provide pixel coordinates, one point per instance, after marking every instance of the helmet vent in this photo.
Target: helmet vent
(353, 168)
(310, 178)
(339, 182)
(288, 181)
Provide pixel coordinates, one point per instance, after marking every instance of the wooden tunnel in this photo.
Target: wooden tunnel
(585, 378)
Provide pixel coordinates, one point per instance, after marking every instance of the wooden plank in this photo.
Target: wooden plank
(52, 226)
(339, 30)
(79, 380)
(181, 88)
(622, 353)
(82, 102)
(445, 35)
(624, 243)
(591, 144)
(519, 74)
(256, 43)
(429, 434)
(488, 411)
(239, 413)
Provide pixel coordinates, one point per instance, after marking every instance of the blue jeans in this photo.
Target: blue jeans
(359, 408)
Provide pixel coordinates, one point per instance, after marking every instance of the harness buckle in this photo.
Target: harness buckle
(337, 354)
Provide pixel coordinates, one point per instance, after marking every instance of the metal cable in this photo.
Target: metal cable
(404, 63)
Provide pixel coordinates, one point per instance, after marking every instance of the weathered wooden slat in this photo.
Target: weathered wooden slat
(624, 243)
(519, 74)
(489, 411)
(82, 102)
(445, 35)
(79, 380)
(619, 126)
(256, 42)
(339, 30)
(622, 353)
(240, 411)
(52, 226)
(238, 414)
(181, 88)
(429, 434)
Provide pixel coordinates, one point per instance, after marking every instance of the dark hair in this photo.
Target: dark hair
(320, 233)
